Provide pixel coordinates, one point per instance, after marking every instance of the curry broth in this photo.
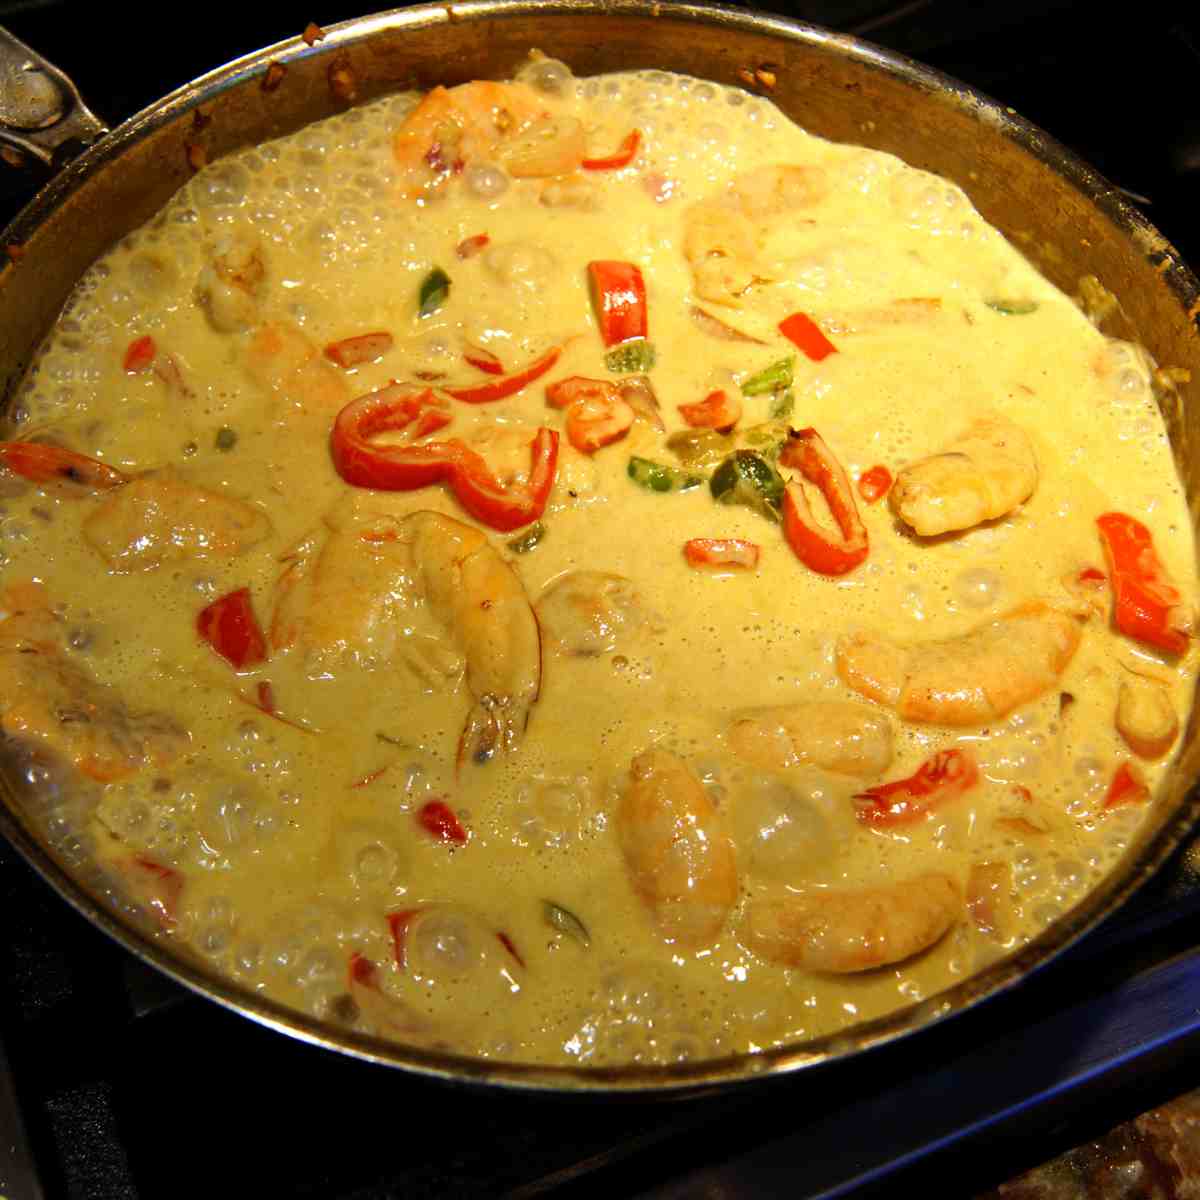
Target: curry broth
(290, 838)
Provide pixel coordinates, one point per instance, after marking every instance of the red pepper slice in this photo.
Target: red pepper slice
(139, 354)
(52, 464)
(718, 410)
(619, 297)
(398, 923)
(398, 467)
(1147, 605)
(946, 775)
(469, 247)
(622, 157)
(815, 545)
(875, 483)
(1128, 787)
(804, 332)
(157, 886)
(230, 627)
(598, 420)
(437, 817)
(490, 501)
(721, 552)
(266, 697)
(485, 360)
(353, 351)
(484, 393)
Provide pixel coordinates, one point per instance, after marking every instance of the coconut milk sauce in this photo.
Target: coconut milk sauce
(294, 844)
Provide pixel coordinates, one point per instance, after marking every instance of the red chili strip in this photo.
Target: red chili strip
(1147, 605)
(622, 157)
(266, 697)
(139, 354)
(718, 410)
(157, 886)
(804, 332)
(485, 360)
(469, 247)
(507, 943)
(1128, 787)
(484, 393)
(354, 351)
(361, 970)
(230, 627)
(398, 923)
(875, 483)
(945, 776)
(437, 817)
(816, 546)
(619, 298)
(721, 552)
(40, 463)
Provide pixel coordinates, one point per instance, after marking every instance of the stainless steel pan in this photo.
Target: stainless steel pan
(1067, 219)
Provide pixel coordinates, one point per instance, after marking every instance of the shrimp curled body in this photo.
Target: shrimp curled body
(679, 858)
(968, 680)
(853, 929)
(849, 739)
(983, 475)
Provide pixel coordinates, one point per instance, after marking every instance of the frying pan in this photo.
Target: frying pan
(1069, 221)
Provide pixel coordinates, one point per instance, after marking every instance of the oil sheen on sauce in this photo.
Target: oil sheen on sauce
(297, 850)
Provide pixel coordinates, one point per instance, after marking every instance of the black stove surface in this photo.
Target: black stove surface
(125, 1087)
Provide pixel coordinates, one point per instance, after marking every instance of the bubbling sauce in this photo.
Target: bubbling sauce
(562, 792)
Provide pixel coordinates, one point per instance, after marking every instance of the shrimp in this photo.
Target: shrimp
(724, 237)
(679, 858)
(482, 120)
(590, 612)
(836, 736)
(381, 588)
(1145, 717)
(854, 929)
(158, 518)
(967, 680)
(229, 287)
(48, 700)
(281, 358)
(984, 474)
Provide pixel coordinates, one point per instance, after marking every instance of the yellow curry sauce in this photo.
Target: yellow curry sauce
(587, 843)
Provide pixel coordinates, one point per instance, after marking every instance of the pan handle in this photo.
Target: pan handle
(42, 115)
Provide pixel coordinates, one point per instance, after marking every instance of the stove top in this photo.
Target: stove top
(118, 1085)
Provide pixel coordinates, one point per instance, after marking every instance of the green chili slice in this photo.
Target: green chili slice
(435, 291)
(565, 921)
(634, 357)
(782, 405)
(775, 378)
(658, 477)
(747, 478)
(526, 541)
(1012, 308)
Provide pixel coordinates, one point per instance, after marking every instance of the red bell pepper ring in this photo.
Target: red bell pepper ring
(721, 552)
(817, 547)
(438, 818)
(875, 483)
(398, 467)
(469, 247)
(493, 503)
(40, 463)
(484, 393)
(718, 410)
(230, 627)
(139, 354)
(622, 157)
(619, 297)
(354, 351)
(485, 360)
(1128, 787)
(803, 331)
(944, 777)
(1147, 605)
